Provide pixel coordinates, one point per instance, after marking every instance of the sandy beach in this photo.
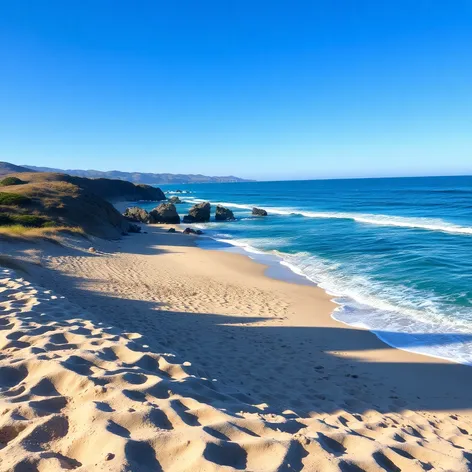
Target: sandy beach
(151, 354)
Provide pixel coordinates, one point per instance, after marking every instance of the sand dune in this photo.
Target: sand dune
(166, 357)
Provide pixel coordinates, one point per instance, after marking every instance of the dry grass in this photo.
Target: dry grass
(29, 233)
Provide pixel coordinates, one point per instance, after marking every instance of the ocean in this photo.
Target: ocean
(395, 253)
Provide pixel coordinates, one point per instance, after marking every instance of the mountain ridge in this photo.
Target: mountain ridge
(142, 177)
(9, 168)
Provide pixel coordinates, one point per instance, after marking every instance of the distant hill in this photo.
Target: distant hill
(7, 168)
(141, 177)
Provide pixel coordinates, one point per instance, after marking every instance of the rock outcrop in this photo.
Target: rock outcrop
(259, 212)
(134, 228)
(164, 213)
(175, 200)
(192, 231)
(223, 214)
(136, 214)
(199, 213)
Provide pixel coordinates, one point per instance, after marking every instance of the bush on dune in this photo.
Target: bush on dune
(30, 221)
(7, 198)
(11, 181)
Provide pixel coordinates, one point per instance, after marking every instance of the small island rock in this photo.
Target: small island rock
(259, 212)
(175, 200)
(223, 214)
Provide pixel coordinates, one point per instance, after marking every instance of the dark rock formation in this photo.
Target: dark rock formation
(223, 214)
(164, 213)
(136, 214)
(192, 231)
(259, 212)
(171, 230)
(175, 200)
(133, 228)
(199, 213)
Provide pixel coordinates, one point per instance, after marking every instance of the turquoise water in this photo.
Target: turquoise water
(395, 253)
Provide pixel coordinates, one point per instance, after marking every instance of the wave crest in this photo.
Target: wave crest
(428, 224)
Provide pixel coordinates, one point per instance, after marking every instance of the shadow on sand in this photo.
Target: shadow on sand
(285, 368)
(295, 368)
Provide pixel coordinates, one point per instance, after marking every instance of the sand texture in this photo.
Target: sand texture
(151, 354)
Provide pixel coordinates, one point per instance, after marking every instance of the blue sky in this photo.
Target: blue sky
(269, 90)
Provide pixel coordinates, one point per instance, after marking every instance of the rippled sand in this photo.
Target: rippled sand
(150, 354)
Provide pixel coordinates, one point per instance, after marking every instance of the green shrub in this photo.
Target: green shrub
(30, 221)
(49, 224)
(7, 198)
(11, 181)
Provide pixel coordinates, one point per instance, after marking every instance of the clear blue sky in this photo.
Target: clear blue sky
(258, 89)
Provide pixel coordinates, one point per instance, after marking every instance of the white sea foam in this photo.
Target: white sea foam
(247, 247)
(179, 193)
(400, 317)
(430, 224)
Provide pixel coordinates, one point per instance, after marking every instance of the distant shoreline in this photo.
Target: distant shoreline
(143, 177)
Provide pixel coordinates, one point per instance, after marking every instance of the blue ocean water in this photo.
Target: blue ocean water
(396, 253)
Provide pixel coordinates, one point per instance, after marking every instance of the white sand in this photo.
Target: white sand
(167, 357)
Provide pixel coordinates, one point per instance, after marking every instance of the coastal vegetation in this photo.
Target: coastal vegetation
(10, 199)
(50, 202)
(11, 181)
(20, 231)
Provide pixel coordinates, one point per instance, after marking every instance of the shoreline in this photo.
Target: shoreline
(280, 366)
(299, 277)
(426, 341)
(251, 266)
(289, 274)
